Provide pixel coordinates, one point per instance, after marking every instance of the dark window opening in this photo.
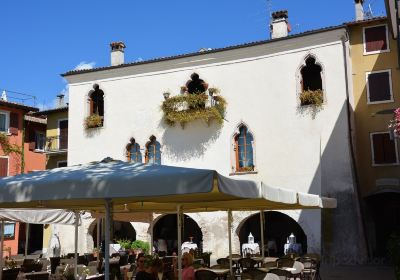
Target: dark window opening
(379, 87)
(96, 98)
(196, 85)
(311, 75)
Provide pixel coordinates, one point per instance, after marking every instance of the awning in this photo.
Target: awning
(35, 216)
(144, 188)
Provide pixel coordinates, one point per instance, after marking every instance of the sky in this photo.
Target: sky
(41, 39)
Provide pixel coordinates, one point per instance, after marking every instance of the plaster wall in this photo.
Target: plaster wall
(296, 148)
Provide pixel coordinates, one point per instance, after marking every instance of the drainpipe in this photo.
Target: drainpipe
(361, 209)
(23, 146)
(396, 3)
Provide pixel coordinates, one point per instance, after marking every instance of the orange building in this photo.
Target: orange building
(20, 131)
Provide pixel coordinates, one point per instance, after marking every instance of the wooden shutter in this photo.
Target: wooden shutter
(14, 123)
(375, 39)
(384, 149)
(32, 140)
(379, 86)
(3, 167)
(63, 142)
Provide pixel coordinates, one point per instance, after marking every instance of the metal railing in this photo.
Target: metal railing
(56, 143)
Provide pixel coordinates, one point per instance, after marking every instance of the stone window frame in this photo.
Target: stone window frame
(364, 40)
(299, 78)
(373, 154)
(234, 159)
(390, 86)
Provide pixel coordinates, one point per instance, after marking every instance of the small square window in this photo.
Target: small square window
(4, 121)
(384, 149)
(375, 39)
(379, 87)
(9, 230)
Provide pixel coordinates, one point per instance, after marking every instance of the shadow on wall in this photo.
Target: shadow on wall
(341, 229)
(192, 141)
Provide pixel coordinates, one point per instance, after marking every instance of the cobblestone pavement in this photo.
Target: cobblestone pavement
(357, 272)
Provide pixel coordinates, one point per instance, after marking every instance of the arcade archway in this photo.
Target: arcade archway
(165, 228)
(278, 227)
(121, 230)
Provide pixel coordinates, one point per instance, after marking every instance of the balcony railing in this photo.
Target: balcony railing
(56, 144)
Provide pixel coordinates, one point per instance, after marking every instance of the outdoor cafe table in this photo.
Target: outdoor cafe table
(221, 272)
(267, 269)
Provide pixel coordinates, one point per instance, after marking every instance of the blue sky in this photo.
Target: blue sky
(40, 39)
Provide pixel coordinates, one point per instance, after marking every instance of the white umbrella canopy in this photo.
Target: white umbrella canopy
(36, 216)
(145, 188)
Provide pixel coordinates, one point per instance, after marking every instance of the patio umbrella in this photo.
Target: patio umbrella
(146, 188)
(35, 216)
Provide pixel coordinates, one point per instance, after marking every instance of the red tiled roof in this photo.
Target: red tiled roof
(245, 45)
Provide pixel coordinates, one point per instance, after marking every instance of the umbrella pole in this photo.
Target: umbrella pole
(76, 244)
(107, 240)
(179, 222)
(26, 239)
(262, 233)
(98, 241)
(1, 249)
(151, 235)
(230, 240)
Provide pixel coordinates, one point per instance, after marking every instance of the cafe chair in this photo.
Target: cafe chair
(10, 274)
(205, 275)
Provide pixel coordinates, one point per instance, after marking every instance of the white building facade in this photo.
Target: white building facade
(303, 148)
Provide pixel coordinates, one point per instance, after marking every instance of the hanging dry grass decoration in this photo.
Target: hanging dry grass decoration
(196, 101)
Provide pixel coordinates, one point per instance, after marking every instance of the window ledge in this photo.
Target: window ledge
(376, 52)
(38, 151)
(384, 164)
(243, 172)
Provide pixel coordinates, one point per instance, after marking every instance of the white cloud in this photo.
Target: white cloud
(139, 59)
(83, 65)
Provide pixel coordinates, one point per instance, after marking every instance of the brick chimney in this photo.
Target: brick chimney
(117, 53)
(359, 9)
(280, 26)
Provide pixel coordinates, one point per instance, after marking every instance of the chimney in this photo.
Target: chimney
(117, 53)
(60, 101)
(280, 26)
(359, 9)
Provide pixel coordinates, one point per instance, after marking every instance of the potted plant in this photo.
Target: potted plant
(140, 246)
(93, 121)
(125, 244)
(312, 97)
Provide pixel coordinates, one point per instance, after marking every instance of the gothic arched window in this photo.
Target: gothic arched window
(96, 101)
(244, 150)
(153, 151)
(133, 151)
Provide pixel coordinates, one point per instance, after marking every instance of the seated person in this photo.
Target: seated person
(187, 268)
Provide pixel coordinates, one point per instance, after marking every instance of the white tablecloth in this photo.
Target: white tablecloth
(187, 246)
(252, 248)
(292, 248)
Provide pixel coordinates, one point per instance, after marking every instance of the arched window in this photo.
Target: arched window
(244, 150)
(311, 75)
(96, 100)
(133, 151)
(153, 151)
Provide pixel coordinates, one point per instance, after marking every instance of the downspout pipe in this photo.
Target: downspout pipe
(360, 205)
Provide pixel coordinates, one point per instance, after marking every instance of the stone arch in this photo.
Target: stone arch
(278, 226)
(121, 230)
(165, 227)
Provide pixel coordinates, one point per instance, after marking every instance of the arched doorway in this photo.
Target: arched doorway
(278, 227)
(384, 219)
(165, 228)
(121, 230)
